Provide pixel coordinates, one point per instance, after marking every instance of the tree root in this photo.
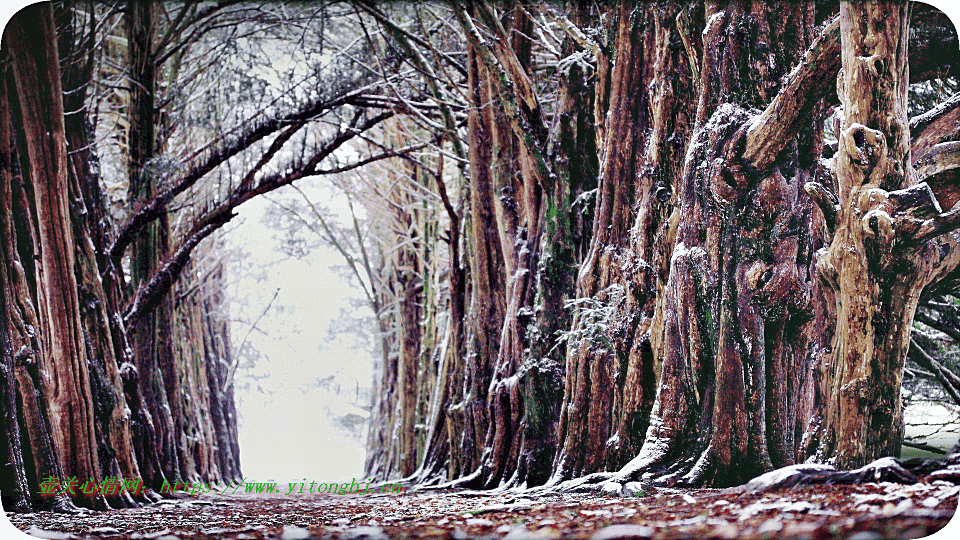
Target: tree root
(882, 470)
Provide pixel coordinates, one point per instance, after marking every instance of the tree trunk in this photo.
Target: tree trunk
(106, 341)
(150, 334)
(732, 354)
(609, 346)
(63, 357)
(467, 419)
(15, 343)
(879, 260)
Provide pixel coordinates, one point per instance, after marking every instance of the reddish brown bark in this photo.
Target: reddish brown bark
(62, 356)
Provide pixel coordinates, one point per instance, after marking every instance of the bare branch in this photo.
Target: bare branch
(149, 294)
(946, 378)
(941, 158)
(158, 285)
(371, 8)
(934, 125)
(807, 83)
(228, 380)
(577, 35)
(216, 155)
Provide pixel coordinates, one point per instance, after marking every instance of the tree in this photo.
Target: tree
(700, 344)
(888, 243)
(603, 243)
(67, 401)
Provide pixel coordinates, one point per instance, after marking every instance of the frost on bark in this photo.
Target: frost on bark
(885, 248)
(503, 287)
(732, 355)
(525, 242)
(609, 345)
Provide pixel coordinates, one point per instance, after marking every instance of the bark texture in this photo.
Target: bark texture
(879, 259)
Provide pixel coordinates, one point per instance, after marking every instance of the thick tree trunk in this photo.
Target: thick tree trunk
(609, 346)
(20, 244)
(106, 340)
(467, 419)
(518, 173)
(879, 259)
(63, 355)
(732, 355)
(15, 343)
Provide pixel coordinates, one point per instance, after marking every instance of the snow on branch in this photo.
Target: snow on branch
(934, 125)
(212, 156)
(152, 290)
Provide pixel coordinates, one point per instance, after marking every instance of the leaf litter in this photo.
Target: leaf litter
(866, 511)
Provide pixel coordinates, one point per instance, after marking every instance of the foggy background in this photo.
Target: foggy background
(305, 372)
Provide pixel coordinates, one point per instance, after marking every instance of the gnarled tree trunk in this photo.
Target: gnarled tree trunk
(881, 255)
(734, 347)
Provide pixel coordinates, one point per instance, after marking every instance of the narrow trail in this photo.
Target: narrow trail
(866, 512)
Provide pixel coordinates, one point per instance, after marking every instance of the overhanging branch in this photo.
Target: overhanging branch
(934, 125)
(807, 83)
(212, 157)
(152, 290)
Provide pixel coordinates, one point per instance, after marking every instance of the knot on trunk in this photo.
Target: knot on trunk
(717, 149)
(864, 147)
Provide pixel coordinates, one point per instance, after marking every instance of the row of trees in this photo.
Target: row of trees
(129, 134)
(687, 242)
(683, 241)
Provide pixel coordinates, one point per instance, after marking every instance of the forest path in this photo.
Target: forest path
(865, 512)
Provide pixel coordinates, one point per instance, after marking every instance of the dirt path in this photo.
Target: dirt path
(874, 511)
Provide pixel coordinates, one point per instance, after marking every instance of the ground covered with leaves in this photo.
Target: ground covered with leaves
(860, 512)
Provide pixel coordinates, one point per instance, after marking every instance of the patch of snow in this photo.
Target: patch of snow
(611, 488)
(767, 480)
(623, 532)
(368, 533)
(49, 535)
(770, 526)
(783, 506)
(516, 533)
